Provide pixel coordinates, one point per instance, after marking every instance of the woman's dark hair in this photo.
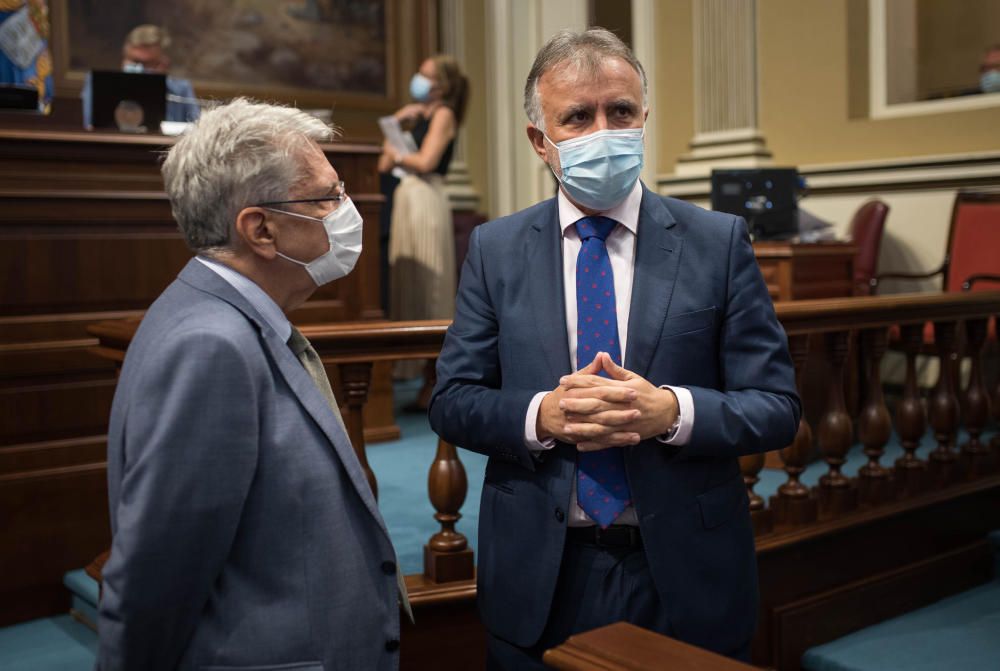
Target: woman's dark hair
(454, 85)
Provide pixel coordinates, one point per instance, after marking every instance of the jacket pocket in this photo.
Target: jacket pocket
(719, 504)
(688, 322)
(502, 487)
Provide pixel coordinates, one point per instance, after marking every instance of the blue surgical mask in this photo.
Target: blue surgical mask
(131, 66)
(989, 81)
(599, 170)
(420, 88)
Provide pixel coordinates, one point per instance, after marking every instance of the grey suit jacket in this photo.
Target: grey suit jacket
(244, 532)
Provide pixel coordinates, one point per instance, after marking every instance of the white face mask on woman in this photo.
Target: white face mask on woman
(343, 231)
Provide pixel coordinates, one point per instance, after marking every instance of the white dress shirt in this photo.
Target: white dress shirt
(255, 296)
(621, 251)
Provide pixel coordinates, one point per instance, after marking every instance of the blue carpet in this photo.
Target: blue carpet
(959, 632)
(53, 644)
(401, 467)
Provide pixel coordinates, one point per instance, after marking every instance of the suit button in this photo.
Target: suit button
(389, 568)
(560, 515)
(392, 645)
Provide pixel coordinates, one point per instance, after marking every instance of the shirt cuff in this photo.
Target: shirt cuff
(681, 433)
(531, 422)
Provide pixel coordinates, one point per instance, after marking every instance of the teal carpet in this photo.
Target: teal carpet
(959, 632)
(53, 644)
(60, 643)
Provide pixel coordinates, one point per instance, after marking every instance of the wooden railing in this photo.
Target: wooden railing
(839, 332)
(856, 332)
(904, 533)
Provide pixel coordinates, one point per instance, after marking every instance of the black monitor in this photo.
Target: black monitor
(18, 97)
(766, 197)
(128, 101)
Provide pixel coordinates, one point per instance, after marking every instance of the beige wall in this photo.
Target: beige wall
(475, 118)
(952, 37)
(813, 63)
(674, 104)
(807, 86)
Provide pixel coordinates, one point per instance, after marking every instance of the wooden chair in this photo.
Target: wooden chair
(866, 230)
(972, 259)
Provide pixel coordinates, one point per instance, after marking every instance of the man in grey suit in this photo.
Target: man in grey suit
(245, 533)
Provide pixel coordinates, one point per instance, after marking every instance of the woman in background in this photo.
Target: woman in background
(422, 281)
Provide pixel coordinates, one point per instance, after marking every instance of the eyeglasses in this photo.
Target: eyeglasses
(339, 189)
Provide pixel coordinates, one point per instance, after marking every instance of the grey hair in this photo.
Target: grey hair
(235, 155)
(586, 50)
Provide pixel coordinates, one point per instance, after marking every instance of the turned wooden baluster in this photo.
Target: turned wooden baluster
(911, 419)
(793, 505)
(975, 454)
(943, 408)
(836, 494)
(760, 516)
(447, 555)
(875, 483)
(355, 380)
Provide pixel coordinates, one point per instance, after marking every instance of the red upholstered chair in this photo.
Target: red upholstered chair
(866, 232)
(973, 255)
(972, 260)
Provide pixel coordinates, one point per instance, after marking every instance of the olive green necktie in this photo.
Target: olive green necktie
(302, 349)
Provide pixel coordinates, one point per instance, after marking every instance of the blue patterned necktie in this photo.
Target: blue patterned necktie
(601, 486)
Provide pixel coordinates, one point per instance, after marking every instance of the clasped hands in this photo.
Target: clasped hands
(595, 412)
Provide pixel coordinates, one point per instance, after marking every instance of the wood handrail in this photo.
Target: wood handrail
(389, 340)
(829, 314)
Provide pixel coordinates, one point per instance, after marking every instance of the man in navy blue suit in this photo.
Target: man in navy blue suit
(613, 352)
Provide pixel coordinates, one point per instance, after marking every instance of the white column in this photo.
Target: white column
(461, 194)
(519, 178)
(725, 89)
(644, 23)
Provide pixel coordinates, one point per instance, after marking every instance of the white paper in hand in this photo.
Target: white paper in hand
(399, 139)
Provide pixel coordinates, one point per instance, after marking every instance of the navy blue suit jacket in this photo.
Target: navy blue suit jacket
(700, 318)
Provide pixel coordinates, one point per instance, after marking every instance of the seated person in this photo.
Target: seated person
(989, 70)
(145, 51)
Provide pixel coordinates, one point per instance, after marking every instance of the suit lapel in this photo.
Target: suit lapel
(205, 279)
(548, 303)
(314, 402)
(657, 258)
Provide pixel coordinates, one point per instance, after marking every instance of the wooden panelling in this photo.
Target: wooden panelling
(53, 520)
(87, 235)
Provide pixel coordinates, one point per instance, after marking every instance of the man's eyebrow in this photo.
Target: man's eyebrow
(623, 102)
(575, 109)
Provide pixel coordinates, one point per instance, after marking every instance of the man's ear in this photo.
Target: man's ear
(538, 143)
(257, 232)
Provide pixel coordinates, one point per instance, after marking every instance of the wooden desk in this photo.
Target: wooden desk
(86, 234)
(796, 271)
(626, 647)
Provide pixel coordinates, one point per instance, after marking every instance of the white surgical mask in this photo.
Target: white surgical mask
(599, 170)
(343, 232)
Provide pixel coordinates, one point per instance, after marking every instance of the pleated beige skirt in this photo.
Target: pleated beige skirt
(421, 255)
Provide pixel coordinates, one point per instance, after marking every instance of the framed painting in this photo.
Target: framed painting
(307, 52)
